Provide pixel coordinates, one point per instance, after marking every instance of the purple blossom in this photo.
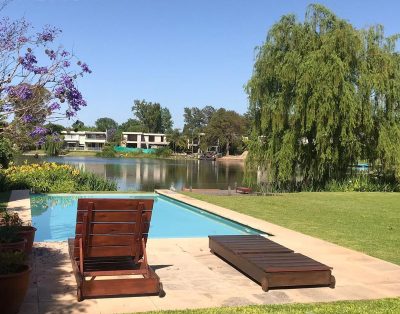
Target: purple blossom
(41, 141)
(52, 55)
(28, 61)
(22, 39)
(70, 113)
(85, 68)
(64, 53)
(22, 92)
(59, 91)
(28, 118)
(54, 106)
(40, 70)
(48, 34)
(38, 131)
(66, 63)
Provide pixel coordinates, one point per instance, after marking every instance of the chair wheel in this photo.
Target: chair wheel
(161, 293)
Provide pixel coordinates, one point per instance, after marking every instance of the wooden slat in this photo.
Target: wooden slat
(270, 268)
(108, 228)
(114, 216)
(112, 287)
(99, 251)
(106, 240)
(115, 204)
(247, 244)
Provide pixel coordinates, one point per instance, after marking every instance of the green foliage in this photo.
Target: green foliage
(9, 234)
(11, 262)
(53, 146)
(177, 140)
(366, 222)
(104, 124)
(6, 152)
(163, 152)
(153, 117)
(54, 178)
(383, 306)
(78, 125)
(107, 152)
(363, 183)
(324, 95)
(54, 128)
(226, 127)
(131, 125)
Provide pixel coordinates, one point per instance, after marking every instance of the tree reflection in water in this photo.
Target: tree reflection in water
(143, 174)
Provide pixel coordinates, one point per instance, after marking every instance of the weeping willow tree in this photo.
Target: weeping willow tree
(323, 96)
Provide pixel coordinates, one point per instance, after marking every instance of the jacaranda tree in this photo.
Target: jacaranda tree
(37, 78)
(323, 96)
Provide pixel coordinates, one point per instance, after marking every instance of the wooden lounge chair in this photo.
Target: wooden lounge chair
(271, 264)
(110, 240)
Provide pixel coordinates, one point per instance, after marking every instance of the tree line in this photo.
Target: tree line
(225, 128)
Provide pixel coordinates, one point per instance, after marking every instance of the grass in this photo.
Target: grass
(383, 306)
(4, 197)
(81, 154)
(366, 222)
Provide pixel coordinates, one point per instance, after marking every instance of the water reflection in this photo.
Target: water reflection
(148, 174)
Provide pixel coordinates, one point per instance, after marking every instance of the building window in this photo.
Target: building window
(151, 138)
(132, 137)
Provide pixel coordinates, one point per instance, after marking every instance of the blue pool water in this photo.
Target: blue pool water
(54, 216)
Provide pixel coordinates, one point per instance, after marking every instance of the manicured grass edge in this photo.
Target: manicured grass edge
(391, 305)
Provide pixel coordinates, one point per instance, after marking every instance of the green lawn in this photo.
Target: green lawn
(366, 222)
(383, 306)
(4, 197)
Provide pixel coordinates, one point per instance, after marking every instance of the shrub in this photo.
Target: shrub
(163, 152)
(11, 262)
(107, 152)
(54, 178)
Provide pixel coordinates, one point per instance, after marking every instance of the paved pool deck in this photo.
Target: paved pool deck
(194, 278)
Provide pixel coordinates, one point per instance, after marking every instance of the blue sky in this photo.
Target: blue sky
(179, 53)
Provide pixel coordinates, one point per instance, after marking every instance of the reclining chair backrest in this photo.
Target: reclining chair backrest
(112, 227)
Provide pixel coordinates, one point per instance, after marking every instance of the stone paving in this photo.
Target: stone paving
(194, 278)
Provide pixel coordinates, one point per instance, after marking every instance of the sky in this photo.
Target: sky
(179, 53)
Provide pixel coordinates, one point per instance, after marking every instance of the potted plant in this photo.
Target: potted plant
(10, 240)
(26, 232)
(14, 281)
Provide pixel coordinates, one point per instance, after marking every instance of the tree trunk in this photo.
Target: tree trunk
(227, 148)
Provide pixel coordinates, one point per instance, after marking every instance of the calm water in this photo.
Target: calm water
(55, 218)
(142, 174)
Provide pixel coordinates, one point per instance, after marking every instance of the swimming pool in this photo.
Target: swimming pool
(54, 216)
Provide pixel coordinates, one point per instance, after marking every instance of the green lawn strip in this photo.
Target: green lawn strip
(386, 306)
(366, 222)
(4, 197)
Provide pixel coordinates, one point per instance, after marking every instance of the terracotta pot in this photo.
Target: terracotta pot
(13, 288)
(13, 246)
(27, 233)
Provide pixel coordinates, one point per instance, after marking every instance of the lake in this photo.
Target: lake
(145, 174)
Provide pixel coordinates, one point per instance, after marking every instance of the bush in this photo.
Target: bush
(6, 152)
(163, 152)
(107, 152)
(54, 178)
(362, 183)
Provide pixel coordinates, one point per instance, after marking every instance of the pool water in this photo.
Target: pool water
(54, 216)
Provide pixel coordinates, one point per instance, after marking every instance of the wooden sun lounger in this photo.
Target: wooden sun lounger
(271, 264)
(110, 240)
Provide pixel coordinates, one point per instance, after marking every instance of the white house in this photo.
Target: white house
(144, 140)
(84, 140)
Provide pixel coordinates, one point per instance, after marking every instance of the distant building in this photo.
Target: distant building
(84, 140)
(193, 144)
(144, 140)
